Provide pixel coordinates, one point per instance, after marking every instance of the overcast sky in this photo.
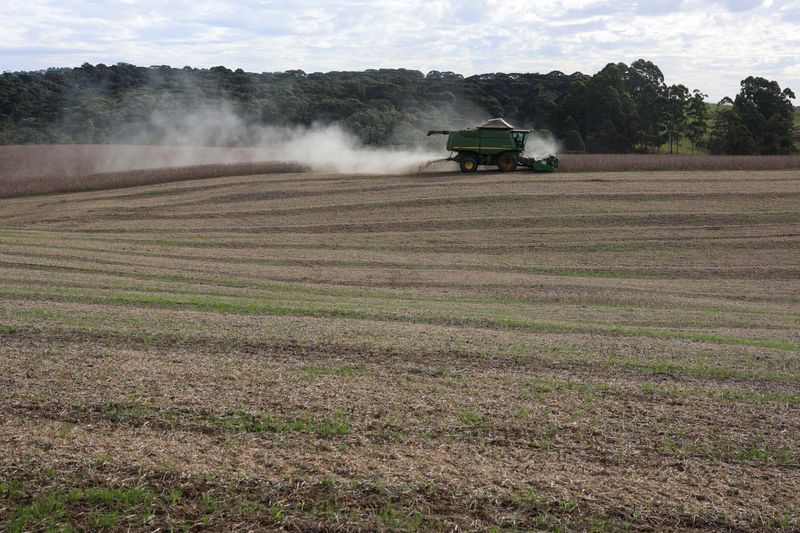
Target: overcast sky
(706, 45)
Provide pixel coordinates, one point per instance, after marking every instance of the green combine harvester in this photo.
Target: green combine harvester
(495, 142)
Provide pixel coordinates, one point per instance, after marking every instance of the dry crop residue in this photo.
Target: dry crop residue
(306, 351)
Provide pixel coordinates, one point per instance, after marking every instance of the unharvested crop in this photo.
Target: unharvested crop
(672, 162)
(39, 169)
(26, 186)
(311, 351)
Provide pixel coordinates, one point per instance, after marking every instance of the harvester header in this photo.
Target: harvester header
(495, 142)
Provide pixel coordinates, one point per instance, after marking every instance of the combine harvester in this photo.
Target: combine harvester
(495, 142)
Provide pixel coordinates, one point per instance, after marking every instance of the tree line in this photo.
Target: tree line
(621, 109)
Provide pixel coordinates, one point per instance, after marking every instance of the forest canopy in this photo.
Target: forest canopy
(621, 109)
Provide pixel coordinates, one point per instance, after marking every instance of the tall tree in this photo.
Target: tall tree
(730, 135)
(677, 103)
(647, 88)
(759, 120)
(697, 113)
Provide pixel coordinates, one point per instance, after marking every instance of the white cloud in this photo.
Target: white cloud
(710, 45)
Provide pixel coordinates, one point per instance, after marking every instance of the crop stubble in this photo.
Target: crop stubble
(357, 352)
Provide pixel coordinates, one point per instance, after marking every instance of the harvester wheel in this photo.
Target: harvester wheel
(507, 162)
(469, 163)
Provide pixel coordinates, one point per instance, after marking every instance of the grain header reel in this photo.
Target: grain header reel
(495, 142)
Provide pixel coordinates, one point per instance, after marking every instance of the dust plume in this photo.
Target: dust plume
(321, 147)
(541, 144)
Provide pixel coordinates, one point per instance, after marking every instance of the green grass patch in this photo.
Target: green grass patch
(105, 519)
(126, 497)
(48, 512)
(57, 509)
(498, 317)
(316, 370)
(472, 419)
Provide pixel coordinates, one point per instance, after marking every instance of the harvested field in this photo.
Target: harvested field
(590, 351)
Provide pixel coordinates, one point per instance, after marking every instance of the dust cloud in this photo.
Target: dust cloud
(321, 147)
(541, 144)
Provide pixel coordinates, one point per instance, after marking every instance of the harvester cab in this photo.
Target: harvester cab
(495, 142)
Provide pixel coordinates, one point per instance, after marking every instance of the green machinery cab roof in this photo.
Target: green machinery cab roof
(492, 137)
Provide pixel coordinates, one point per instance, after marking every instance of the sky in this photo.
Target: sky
(706, 45)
